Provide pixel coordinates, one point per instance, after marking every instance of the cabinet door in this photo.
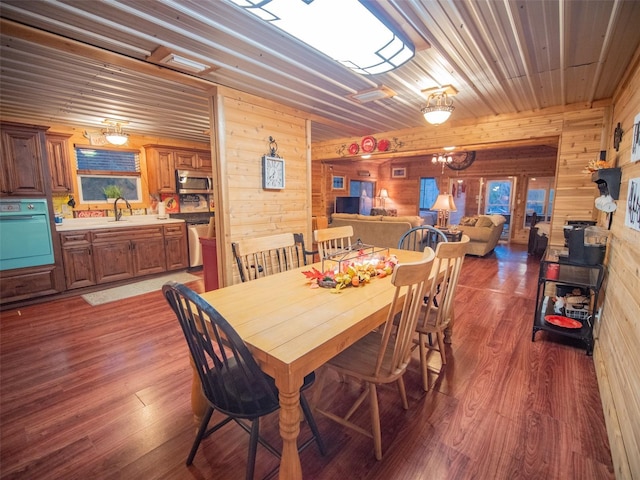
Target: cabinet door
(78, 266)
(176, 247)
(204, 162)
(59, 164)
(148, 255)
(113, 261)
(23, 150)
(187, 160)
(161, 170)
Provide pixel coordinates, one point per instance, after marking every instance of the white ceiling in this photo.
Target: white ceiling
(87, 60)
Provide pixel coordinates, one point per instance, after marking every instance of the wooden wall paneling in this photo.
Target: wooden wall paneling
(249, 209)
(617, 351)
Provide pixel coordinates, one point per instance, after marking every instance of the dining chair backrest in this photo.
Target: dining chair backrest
(448, 263)
(330, 240)
(417, 238)
(302, 255)
(264, 256)
(412, 282)
(232, 381)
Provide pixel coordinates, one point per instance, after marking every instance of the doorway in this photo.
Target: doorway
(499, 200)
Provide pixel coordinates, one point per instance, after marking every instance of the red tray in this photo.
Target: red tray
(564, 322)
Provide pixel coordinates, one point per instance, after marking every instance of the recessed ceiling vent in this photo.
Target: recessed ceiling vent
(372, 94)
(164, 56)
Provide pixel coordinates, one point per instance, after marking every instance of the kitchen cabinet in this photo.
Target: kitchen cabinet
(77, 257)
(23, 165)
(108, 255)
(163, 161)
(560, 278)
(176, 247)
(26, 283)
(59, 162)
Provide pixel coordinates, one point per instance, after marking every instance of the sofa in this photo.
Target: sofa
(483, 231)
(378, 230)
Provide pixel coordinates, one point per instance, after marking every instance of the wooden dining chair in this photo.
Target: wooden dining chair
(231, 379)
(435, 317)
(382, 356)
(302, 255)
(330, 240)
(264, 256)
(419, 237)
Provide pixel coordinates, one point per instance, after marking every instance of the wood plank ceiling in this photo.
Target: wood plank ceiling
(77, 62)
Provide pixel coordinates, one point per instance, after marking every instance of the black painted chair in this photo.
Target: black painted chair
(231, 379)
(418, 238)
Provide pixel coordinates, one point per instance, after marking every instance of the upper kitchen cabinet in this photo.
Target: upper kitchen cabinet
(59, 162)
(163, 161)
(23, 160)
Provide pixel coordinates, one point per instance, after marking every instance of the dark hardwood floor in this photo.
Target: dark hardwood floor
(104, 393)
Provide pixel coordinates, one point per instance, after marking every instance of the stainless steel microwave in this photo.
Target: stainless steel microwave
(189, 181)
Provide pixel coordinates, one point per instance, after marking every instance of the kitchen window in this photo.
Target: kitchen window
(98, 168)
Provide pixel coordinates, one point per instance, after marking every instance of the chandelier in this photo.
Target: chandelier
(439, 111)
(442, 160)
(114, 133)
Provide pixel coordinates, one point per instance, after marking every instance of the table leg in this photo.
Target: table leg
(198, 402)
(290, 468)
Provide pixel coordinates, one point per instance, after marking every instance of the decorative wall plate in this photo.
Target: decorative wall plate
(461, 160)
(354, 148)
(368, 144)
(383, 145)
(561, 321)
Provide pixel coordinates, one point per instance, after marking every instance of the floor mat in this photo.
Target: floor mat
(138, 288)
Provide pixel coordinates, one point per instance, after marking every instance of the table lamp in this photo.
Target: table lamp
(383, 196)
(444, 204)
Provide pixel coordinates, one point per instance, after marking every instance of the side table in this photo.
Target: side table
(452, 236)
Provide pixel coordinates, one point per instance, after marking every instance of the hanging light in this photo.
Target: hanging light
(440, 110)
(441, 159)
(114, 133)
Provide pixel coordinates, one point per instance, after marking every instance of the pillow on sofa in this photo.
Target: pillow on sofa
(468, 221)
(484, 221)
(497, 219)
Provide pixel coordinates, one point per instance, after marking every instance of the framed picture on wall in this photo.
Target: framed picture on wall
(398, 172)
(337, 182)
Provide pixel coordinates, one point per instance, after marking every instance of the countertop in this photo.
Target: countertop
(131, 221)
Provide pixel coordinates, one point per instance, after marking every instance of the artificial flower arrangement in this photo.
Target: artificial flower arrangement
(595, 165)
(354, 273)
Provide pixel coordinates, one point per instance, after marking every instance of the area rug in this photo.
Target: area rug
(131, 290)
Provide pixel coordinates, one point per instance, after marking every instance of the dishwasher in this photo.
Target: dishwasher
(194, 232)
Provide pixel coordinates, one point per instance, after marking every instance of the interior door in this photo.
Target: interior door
(499, 200)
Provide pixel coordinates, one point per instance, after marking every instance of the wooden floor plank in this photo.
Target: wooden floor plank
(104, 392)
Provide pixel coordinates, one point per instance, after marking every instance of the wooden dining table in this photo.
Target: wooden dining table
(293, 329)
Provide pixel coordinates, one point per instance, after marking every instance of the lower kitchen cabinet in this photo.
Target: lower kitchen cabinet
(107, 255)
(175, 247)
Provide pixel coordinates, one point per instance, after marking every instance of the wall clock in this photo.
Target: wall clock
(272, 172)
(461, 160)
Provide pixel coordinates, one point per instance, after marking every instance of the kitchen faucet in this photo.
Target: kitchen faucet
(118, 213)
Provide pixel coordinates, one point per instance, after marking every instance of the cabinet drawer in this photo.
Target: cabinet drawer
(174, 230)
(100, 236)
(75, 237)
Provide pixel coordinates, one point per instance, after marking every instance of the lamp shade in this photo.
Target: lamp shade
(384, 193)
(444, 202)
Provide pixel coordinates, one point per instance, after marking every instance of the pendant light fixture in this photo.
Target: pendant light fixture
(114, 133)
(439, 104)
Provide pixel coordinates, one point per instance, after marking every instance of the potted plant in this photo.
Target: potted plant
(111, 192)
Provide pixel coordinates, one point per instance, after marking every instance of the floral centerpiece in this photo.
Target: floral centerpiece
(354, 273)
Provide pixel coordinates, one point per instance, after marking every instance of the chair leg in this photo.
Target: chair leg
(253, 448)
(443, 355)
(403, 393)
(312, 424)
(423, 362)
(375, 421)
(200, 435)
